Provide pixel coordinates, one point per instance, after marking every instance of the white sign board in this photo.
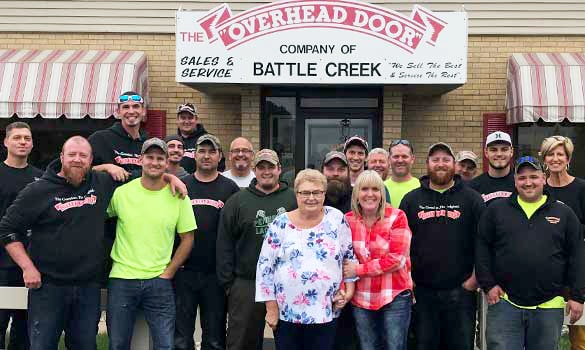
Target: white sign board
(321, 42)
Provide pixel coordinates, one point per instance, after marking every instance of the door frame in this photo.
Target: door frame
(303, 113)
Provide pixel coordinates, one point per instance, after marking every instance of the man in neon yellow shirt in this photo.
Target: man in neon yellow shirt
(401, 181)
(148, 217)
(529, 248)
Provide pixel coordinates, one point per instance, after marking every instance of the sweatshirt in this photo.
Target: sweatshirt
(190, 146)
(242, 226)
(493, 188)
(531, 259)
(67, 225)
(115, 146)
(444, 227)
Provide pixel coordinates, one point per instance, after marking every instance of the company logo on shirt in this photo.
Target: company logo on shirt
(552, 219)
(498, 194)
(208, 202)
(428, 212)
(189, 154)
(74, 202)
(124, 158)
(263, 220)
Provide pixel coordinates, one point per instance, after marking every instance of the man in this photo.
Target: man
(141, 276)
(498, 182)
(196, 283)
(241, 154)
(65, 211)
(356, 151)
(378, 161)
(176, 151)
(443, 215)
(117, 149)
(401, 154)
(466, 165)
(189, 130)
(336, 171)
(15, 174)
(528, 249)
(243, 223)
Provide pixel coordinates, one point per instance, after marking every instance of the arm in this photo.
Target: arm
(478, 209)
(265, 269)
(483, 251)
(182, 253)
(576, 257)
(226, 243)
(30, 274)
(177, 186)
(116, 172)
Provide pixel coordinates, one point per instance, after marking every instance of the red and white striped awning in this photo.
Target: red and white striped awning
(74, 84)
(547, 86)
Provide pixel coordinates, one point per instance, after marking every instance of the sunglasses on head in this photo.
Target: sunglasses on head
(126, 98)
(402, 142)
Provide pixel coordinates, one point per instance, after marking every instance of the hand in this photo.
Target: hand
(349, 269)
(32, 278)
(339, 300)
(574, 310)
(494, 295)
(167, 275)
(470, 284)
(117, 173)
(272, 318)
(177, 186)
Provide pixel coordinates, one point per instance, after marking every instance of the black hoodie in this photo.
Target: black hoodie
(115, 146)
(531, 259)
(190, 145)
(242, 225)
(67, 224)
(444, 227)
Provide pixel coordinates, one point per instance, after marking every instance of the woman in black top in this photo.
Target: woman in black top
(556, 152)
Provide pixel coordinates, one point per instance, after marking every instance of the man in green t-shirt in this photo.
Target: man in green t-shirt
(529, 248)
(148, 217)
(401, 181)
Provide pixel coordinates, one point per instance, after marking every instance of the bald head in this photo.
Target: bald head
(241, 155)
(240, 142)
(78, 141)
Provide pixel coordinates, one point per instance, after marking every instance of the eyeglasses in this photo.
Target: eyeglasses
(126, 98)
(241, 150)
(401, 142)
(308, 194)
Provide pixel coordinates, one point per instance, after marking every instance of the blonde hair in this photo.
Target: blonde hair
(550, 143)
(313, 176)
(368, 178)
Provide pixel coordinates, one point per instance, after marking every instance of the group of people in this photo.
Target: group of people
(361, 254)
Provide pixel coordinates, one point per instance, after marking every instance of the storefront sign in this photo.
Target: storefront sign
(321, 42)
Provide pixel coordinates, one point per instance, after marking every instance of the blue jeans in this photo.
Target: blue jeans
(52, 306)
(386, 328)
(155, 297)
(444, 317)
(295, 336)
(510, 327)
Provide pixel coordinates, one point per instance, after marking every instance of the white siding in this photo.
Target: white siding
(485, 16)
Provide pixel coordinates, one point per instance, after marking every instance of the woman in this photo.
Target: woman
(299, 273)
(381, 239)
(557, 152)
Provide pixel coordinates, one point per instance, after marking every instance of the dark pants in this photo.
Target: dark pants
(444, 317)
(346, 337)
(51, 307)
(246, 317)
(155, 297)
(193, 290)
(18, 329)
(510, 327)
(293, 336)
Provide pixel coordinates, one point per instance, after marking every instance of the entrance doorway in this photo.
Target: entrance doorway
(303, 124)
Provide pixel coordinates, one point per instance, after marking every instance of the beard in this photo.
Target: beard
(336, 190)
(75, 175)
(442, 180)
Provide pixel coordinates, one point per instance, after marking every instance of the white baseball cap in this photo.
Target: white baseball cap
(498, 136)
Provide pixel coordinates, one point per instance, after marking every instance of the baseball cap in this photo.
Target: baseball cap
(187, 107)
(466, 155)
(154, 142)
(527, 160)
(173, 138)
(498, 136)
(266, 155)
(440, 145)
(355, 140)
(210, 139)
(334, 155)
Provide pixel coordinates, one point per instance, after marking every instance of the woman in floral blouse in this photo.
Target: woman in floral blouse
(381, 240)
(299, 274)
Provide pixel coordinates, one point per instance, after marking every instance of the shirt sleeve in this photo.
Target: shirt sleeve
(266, 267)
(20, 216)
(112, 212)
(95, 142)
(483, 251)
(226, 242)
(344, 236)
(398, 253)
(576, 265)
(186, 220)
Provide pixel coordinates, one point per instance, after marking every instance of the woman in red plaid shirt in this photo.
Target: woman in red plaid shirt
(381, 242)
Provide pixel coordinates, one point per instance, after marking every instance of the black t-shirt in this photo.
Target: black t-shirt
(207, 200)
(492, 188)
(572, 195)
(12, 181)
